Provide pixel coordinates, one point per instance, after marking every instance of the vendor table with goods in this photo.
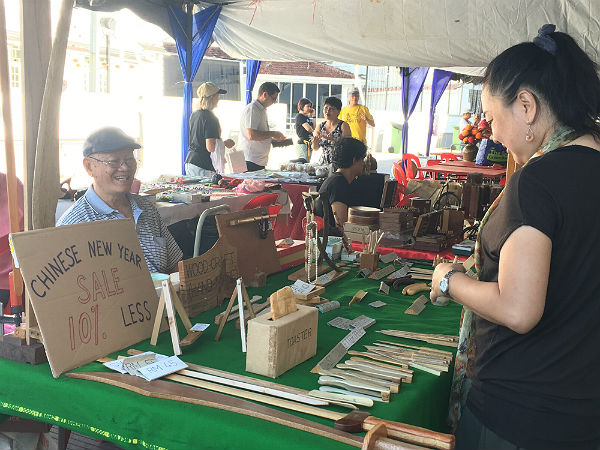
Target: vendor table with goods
(134, 421)
(464, 168)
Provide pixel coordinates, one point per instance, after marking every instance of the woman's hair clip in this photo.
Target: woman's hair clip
(544, 41)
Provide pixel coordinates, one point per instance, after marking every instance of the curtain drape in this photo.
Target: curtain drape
(413, 79)
(252, 68)
(441, 78)
(193, 33)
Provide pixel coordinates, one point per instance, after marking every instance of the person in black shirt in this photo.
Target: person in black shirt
(348, 155)
(205, 133)
(304, 128)
(529, 340)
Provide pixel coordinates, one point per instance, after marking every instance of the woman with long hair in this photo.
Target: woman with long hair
(528, 356)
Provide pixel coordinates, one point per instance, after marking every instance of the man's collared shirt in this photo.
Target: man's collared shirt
(254, 116)
(160, 249)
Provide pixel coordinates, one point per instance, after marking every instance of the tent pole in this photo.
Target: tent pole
(36, 38)
(46, 178)
(11, 174)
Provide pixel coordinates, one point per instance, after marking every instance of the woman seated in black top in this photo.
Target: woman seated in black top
(528, 346)
(348, 156)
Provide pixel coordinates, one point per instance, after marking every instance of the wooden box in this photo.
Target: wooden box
(275, 346)
(370, 261)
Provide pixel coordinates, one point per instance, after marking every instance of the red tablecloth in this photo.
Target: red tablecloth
(408, 253)
(293, 227)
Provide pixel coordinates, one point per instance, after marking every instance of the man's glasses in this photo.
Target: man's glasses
(326, 109)
(117, 163)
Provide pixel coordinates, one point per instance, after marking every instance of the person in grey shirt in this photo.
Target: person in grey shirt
(255, 137)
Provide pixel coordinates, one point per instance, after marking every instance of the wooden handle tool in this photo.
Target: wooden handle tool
(413, 289)
(357, 421)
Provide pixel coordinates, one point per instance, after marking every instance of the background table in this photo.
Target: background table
(133, 421)
(464, 168)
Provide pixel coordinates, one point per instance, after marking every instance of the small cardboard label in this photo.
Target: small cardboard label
(353, 337)
(378, 303)
(362, 322)
(325, 278)
(162, 368)
(340, 322)
(200, 326)
(387, 258)
(133, 363)
(329, 306)
(301, 287)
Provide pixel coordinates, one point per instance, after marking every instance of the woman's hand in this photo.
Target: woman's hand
(229, 143)
(440, 271)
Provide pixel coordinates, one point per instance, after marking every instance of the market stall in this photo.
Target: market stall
(134, 421)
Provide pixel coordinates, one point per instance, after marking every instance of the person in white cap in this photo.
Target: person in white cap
(357, 116)
(206, 154)
(108, 159)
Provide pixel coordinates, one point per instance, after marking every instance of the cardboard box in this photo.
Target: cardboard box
(291, 255)
(275, 346)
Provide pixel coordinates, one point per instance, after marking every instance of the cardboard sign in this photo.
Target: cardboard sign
(206, 279)
(90, 289)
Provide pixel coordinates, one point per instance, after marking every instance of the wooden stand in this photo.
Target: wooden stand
(234, 296)
(370, 261)
(168, 300)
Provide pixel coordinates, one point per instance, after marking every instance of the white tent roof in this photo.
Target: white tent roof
(456, 34)
(433, 33)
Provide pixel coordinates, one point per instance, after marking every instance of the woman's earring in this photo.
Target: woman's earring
(529, 135)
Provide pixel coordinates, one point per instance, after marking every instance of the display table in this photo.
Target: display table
(409, 253)
(133, 421)
(464, 168)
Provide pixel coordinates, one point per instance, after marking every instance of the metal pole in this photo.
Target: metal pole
(107, 63)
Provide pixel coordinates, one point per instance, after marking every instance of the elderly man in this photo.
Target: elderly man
(357, 116)
(255, 137)
(108, 159)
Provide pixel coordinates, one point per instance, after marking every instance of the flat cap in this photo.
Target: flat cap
(108, 140)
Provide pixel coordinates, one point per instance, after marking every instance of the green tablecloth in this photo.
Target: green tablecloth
(133, 421)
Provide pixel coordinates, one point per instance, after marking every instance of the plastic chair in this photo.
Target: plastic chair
(408, 160)
(268, 201)
(399, 174)
(262, 200)
(448, 157)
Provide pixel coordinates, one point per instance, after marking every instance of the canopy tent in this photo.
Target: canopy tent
(458, 35)
(462, 35)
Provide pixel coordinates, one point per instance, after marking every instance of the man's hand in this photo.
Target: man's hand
(278, 136)
(229, 143)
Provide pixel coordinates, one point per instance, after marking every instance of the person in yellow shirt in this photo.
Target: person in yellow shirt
(357, 116)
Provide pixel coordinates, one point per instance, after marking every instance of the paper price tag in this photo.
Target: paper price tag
(117, 365)
(302, 287)
(352, 337)
(362, 322)
(200, 326)
(162, 368)
(340, 322)
(377, 304)
(325, 278)
(387, 258)
(329, 306)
